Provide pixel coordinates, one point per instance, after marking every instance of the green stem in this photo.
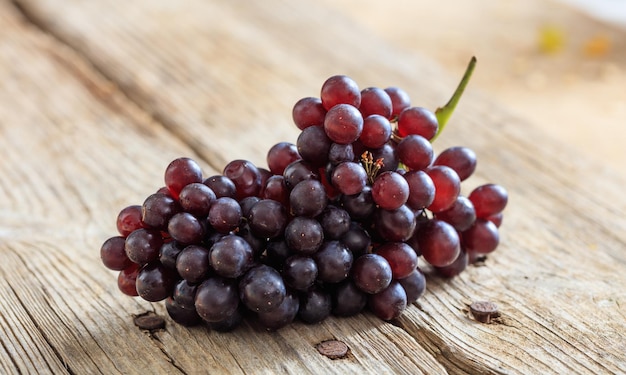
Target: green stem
(443, 113)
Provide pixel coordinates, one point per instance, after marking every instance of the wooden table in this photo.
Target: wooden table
(97, 98)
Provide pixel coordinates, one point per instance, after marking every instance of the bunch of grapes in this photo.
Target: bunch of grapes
(334, 224)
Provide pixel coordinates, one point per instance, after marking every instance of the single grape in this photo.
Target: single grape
(400, 100)
(169, 253)
(447, 187)
(304, 235)
(461, 159)
(339, 153)
(216, 299)
(196, 199)
(415, 152)
(246, 205)
(375, 101)
(155, 282)
(461, 215)
(245, 176)
(185, 228)
(360, 206)
(113, 254)
(277, 252)
(281, 155)
(334, 261)
(315, 306)
(127, 280)
(390, 190)
(395, 225)
(184, 294)
(192, 263)
(284, 314)
(308, 198)
(482, 237)
(421, 189)
(340, 89)
(262, 289)
(225, 215)
(267, 218)
(157, 210)
(356, 239)
(231, 256)
(308, 112)
(371, 273)
(387, 154)
(183, 316)
(180, 173)
(488, 199)
(343, 123)
(299, 171)
(376, 131)
(143, 245)
(496, 219)
(438, 242)
(400, 256)
(222, 186)
(313, 145)
(299, 272)
(454, 268)
(258, 244)
(414, 285)
(389, 303)
(347, 299)
(128, 220)
(276, 189)
(349, 178)
(417, 120)
(335, 222)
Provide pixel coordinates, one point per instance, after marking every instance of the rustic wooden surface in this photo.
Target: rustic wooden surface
(96, 98)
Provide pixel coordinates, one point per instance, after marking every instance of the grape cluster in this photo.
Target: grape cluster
(334, 224)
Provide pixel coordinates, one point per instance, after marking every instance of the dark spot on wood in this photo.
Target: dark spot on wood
(484, 311)
(149, 321)
(333, 349)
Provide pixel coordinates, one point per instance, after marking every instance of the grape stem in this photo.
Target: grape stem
(443, 113)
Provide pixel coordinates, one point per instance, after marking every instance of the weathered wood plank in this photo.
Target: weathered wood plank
(557, 276)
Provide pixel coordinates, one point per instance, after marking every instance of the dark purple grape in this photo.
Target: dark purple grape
(421, 189)
(400, 256)
(169, 253)
(128, 220)
(334, 261)
(400, 100)
(414, 285)
(349, 178)
(225, 215)
(192, 263)
(127, 280)
(246, 205)
(339, 153)
(417, 120)
(183, 316)
(184, 294)
(308, 198)
(185, 228)
(228, 324)
(340, 89)
(284, 314)
(277, 252)
(388, 155)
(314, 145)
(258, 244)
(304, 235)
(489, 199)
(347, 299)
(157, 210)
(267, 218)
(297, 172)
(308, 112)
(438, 242)
(216, 299)
(376, 131)
(461, 215)
(415, 151)
(461, 159)
(262, 289)
(180, 173)
(375, 101)
(196, 198)
(359, 206)
(482, 237)
(281, 155)
(447, 187)
(390, 190)
(113, 254)
(389, 303)
(245, 176)
(371, 273)
(356, 239)
(315, 306)
(395, 225)
(222, 186)
(276, 189)
(454, 268)
(299, 272)
(155, 282)
(231, 256)
(343, 123)
(335, 222)
(143, 245)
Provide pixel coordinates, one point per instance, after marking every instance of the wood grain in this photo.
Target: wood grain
(111, 93)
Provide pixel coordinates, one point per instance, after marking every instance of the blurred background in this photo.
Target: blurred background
(559, 63)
